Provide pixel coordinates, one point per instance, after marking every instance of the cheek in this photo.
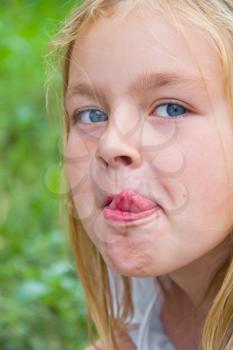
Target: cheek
(206, 181)
(77, 157)
(209, 180)
(76, 148)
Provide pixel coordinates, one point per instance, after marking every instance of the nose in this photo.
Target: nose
(113, 151)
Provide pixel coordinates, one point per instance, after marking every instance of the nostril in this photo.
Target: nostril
(124, 159)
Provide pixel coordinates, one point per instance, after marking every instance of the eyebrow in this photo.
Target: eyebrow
(145, 81)
(149, 81)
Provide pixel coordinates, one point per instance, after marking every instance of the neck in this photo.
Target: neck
(191, 282)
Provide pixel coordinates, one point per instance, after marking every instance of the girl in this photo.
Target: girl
(148, 101)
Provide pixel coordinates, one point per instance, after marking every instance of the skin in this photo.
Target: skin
(185, 162)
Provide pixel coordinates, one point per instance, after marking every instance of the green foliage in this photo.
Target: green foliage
(41, 300)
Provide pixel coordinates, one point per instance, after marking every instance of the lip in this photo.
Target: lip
(129, 206)
(110, 197)
(138, 222)
(124, 216)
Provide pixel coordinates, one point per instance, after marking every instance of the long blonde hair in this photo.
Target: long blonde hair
(216, 17)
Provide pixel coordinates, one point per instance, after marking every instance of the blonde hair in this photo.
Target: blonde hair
(216, 18)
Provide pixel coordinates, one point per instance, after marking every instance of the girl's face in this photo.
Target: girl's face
(155, 127)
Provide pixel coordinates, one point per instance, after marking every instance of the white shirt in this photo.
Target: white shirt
(147, 300)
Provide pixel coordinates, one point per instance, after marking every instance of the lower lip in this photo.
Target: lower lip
(125, 216)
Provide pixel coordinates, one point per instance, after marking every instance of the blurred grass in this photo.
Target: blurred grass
(41, 300)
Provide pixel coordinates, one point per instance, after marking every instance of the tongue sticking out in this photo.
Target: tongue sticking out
(132, 202)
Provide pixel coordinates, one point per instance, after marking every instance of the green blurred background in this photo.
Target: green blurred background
(41, 300)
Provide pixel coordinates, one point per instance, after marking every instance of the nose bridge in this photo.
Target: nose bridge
(120, 142)
(125, 123)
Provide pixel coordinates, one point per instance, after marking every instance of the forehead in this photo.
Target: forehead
(121, 47)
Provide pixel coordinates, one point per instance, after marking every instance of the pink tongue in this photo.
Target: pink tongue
(132, 201)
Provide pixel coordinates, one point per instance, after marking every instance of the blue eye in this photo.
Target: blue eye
(89, 116)
(171, 110)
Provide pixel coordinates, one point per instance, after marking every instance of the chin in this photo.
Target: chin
(125, 267)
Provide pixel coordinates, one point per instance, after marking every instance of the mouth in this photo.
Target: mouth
(130, 197)
(128, 206)
(107, 201)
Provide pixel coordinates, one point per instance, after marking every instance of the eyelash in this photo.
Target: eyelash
(76, 114)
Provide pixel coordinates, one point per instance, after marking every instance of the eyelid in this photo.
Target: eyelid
(75, 114)
(174, 101)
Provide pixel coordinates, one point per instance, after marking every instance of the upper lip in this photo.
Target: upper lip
(121, 196)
